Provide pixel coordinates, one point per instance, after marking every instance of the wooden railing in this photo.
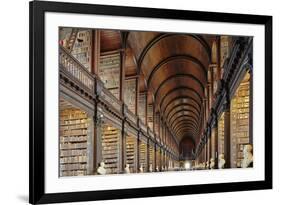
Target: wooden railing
(143, 126)
(73, 67)
(130, 115)
(107, 96)
(150, 133)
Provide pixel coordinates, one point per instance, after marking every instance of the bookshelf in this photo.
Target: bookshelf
(152, 156)
(143, 155)
(109, 72)
(142, 107)
(74, 129)
(150, 116)
(130, 94)
(111, 148)
(213, 143)
(131, 143)
(239, 121)
(82, 48)
(221, 134)
(158, 158)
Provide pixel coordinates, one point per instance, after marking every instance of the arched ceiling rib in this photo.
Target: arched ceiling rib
(174, 67)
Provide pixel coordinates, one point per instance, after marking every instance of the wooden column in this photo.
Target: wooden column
(97, 139)
(95, 53)
(155, 157)
(251, 107)
(90, 149)
(147, 155)
(215, 141)
(227, 138)
(122, 75)
(137, 96)
(138, 153)
(123, 147)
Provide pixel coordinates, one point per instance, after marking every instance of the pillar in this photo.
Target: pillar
(227, 139)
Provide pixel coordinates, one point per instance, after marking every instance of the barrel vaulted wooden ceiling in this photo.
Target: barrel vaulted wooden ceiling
(173, 68)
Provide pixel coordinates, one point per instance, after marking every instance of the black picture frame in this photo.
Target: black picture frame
(37, 10)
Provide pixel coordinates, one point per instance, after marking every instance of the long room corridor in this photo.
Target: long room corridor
(137, 101)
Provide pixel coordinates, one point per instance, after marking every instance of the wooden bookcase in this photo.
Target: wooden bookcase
(239, 121)
(150, 116)
(131, 143)
(221, 134)
(142, 107)
(74, 129)
(130, 94)
(152, 156)
(158, 158)
(82, 48)
(111, 149)
(109, 72)
(143, 155)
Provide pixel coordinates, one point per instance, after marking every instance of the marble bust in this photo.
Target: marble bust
(141, 169)
(221, 161)
(212, 163)
(207, 165)
(127, 169)
(157, 169)
(101, 169)
(247, 156)
(150, 168)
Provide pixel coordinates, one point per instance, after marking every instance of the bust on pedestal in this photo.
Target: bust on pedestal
(247, 156)
(150, 168)
(127, 169)
(212, 163)
(141, 169)
(207, 165)
(101, 169)
(221, 161)
(157, 169)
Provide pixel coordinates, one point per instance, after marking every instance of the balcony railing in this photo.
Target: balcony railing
(73, 67)
(150, 133)
(143, 126)
(131, 116)
(107, 96)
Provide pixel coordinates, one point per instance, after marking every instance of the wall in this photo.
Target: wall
(14, 100)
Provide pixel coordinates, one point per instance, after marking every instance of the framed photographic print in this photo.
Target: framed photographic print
(140, 102)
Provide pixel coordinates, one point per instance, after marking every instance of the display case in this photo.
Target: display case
(74, 131)
(239, 121)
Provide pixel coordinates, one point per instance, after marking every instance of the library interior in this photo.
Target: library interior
(146, 102)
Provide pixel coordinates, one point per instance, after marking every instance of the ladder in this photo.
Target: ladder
(72, 38)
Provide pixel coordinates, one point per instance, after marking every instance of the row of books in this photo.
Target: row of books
(73, 146)
(110, 148)
(75, 159)
(65, 167)
(75, 132)
(79, 138)
(76, 152)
